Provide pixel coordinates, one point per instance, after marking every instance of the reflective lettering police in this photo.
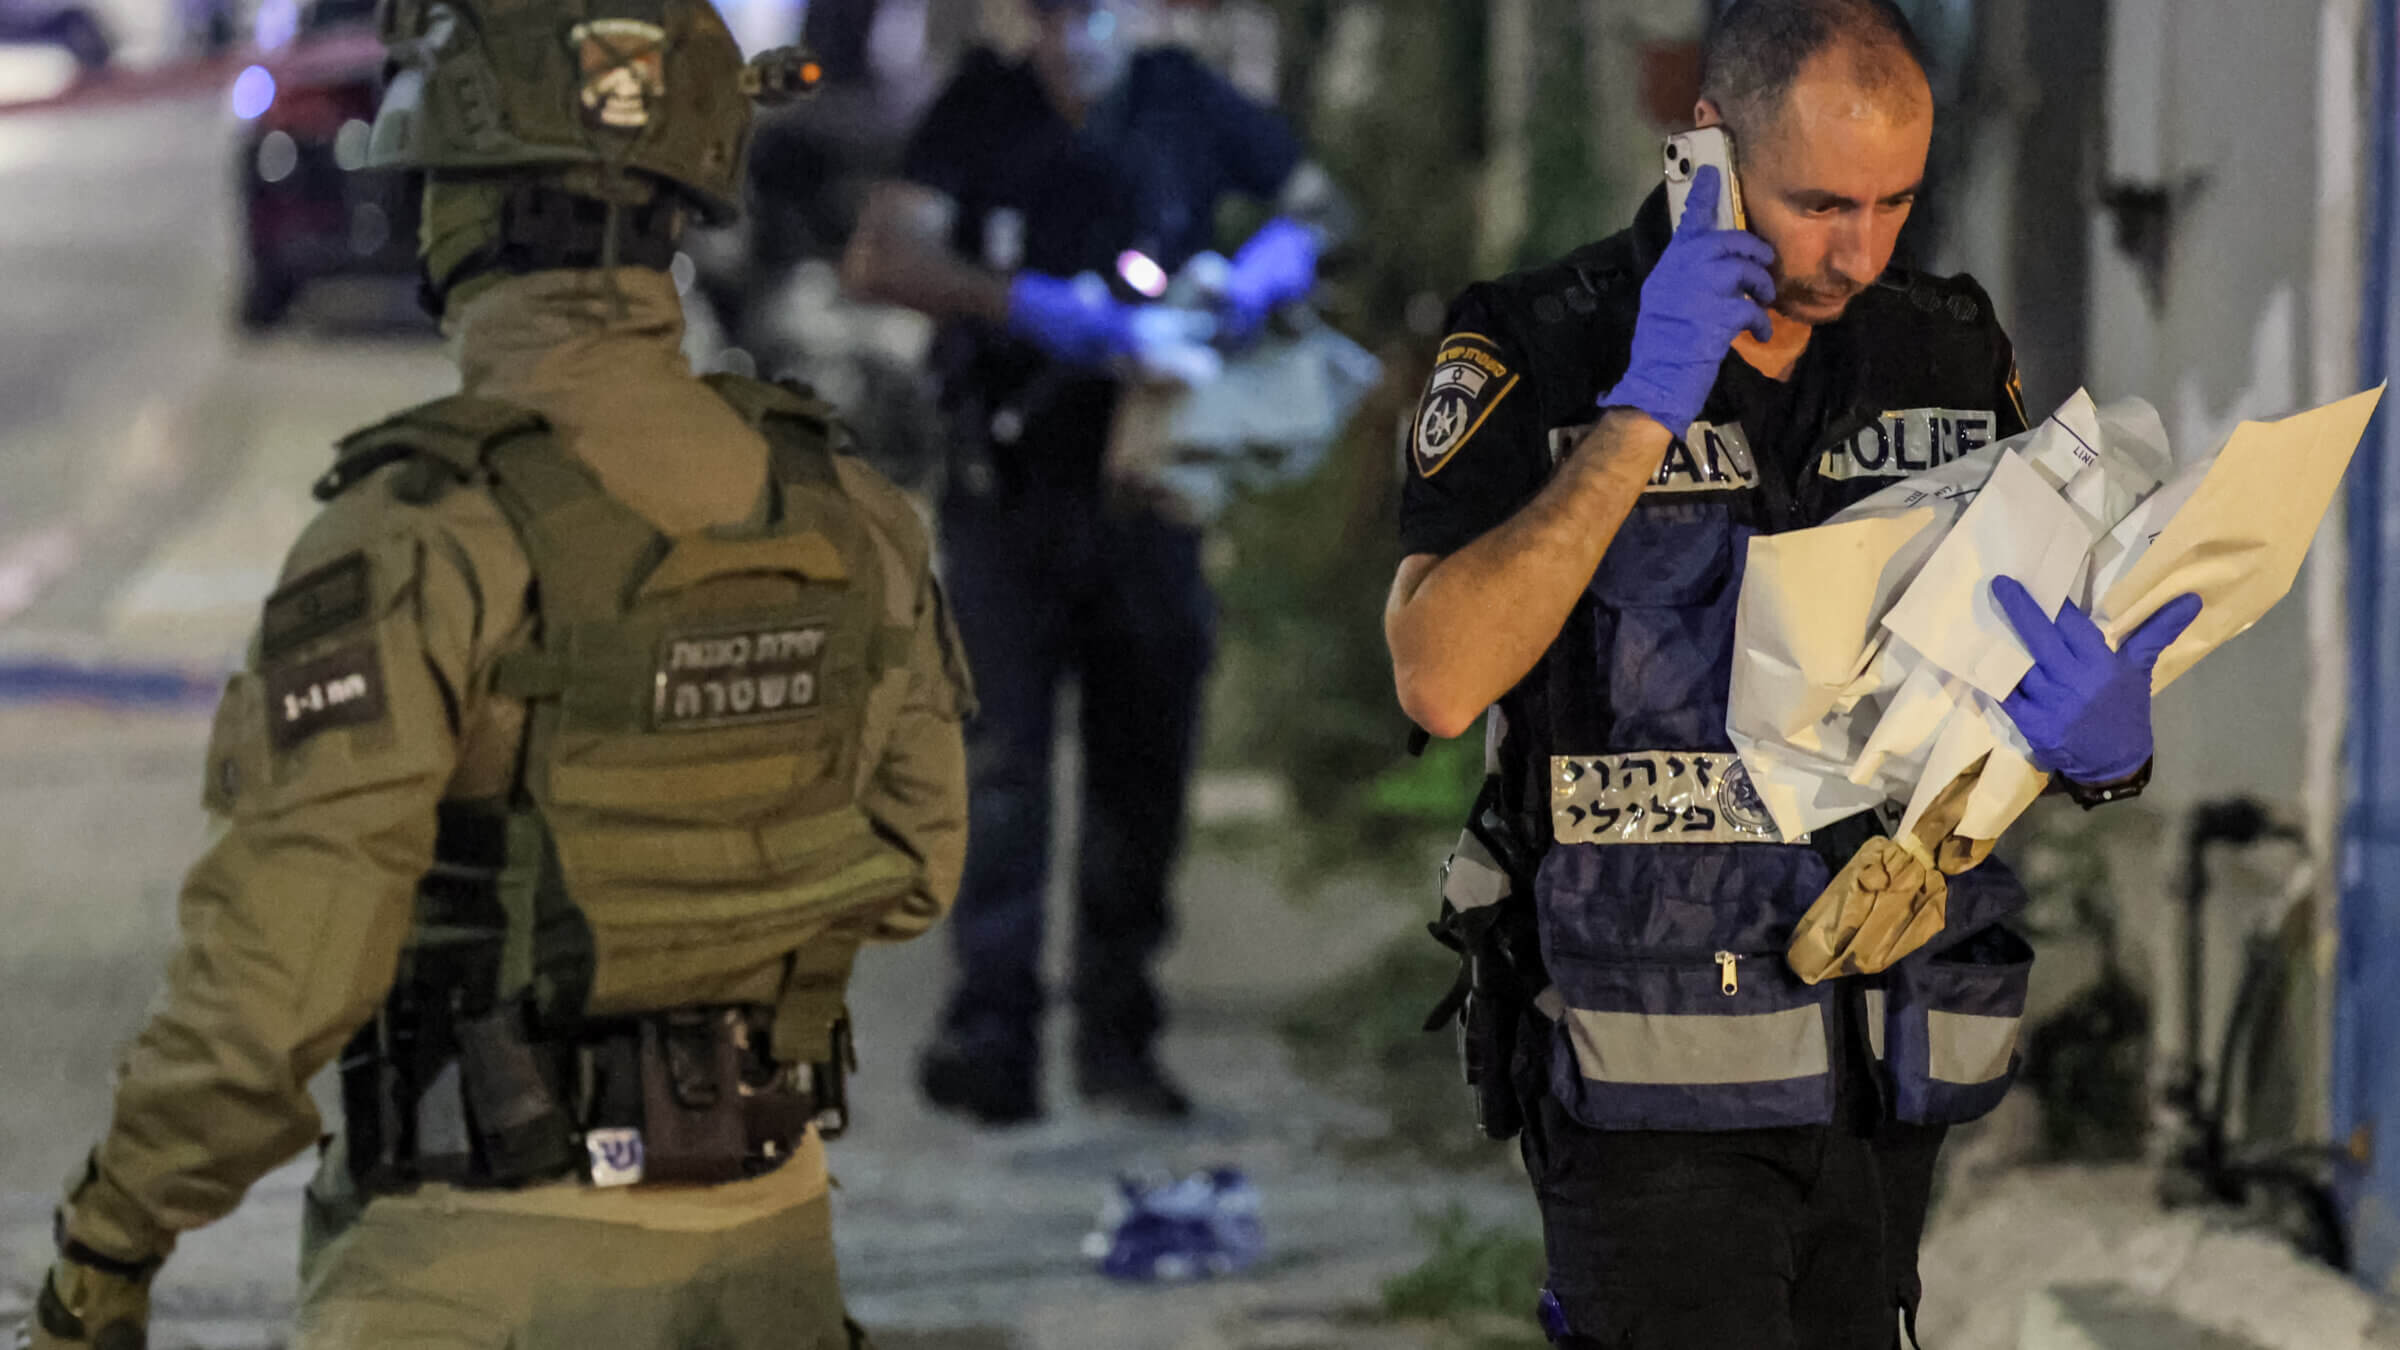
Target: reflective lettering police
(1908, 442)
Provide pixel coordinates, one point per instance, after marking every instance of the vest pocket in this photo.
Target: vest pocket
(1722, 1042)
(1951, 1026)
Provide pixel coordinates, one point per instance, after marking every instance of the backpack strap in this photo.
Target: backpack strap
(802, 431)
(449, 437)
(588, 549)
(804, 435)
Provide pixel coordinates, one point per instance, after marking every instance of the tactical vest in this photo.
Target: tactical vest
(1664, 897)
(685, 815)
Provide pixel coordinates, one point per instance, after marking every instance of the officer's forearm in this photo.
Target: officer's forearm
(1465, 628)
(900, 254)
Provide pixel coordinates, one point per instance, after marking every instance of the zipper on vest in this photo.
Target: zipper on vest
(1727, 981)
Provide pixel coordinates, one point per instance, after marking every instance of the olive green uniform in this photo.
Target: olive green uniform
(294, 923)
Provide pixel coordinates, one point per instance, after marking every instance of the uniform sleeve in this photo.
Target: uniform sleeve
(1258, 146)
(917, 796)
(1477, 451)
(942, 152)
(328, 757)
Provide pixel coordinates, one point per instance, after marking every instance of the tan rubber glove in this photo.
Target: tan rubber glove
(83, 1307)
(1892, 897)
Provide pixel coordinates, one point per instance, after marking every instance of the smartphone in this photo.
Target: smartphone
(1686, 154)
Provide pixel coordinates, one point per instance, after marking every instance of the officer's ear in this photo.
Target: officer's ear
(1705, 113)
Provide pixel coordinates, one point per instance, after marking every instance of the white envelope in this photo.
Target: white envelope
(1871, 660)
(2018, 526)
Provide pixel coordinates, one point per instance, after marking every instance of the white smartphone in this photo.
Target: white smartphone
(1687, 153)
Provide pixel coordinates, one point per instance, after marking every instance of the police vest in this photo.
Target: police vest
(685, 815)
(1665, 898)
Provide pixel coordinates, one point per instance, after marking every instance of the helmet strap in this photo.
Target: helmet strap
(542, 227)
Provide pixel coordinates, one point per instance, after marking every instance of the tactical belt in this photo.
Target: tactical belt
(1657, 797)
(688, 1097)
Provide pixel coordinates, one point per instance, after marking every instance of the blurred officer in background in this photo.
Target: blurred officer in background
(1724, 1152)
(601, 715)
(1021, 197)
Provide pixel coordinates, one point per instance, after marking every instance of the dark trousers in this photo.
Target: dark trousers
(1047, 587)
(1779, 1239)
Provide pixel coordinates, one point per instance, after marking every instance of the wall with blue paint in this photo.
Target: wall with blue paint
(2366, 1080)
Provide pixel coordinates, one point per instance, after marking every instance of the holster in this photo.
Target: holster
(694, 1125)
(1488, 921)
(520, 1132)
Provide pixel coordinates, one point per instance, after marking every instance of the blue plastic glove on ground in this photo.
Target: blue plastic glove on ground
(1277, 266)
(1075, 321)
(1201, 1226)
(2085, 709)
(1709, 286)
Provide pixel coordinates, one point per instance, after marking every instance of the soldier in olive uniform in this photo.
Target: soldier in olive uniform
(599, 718)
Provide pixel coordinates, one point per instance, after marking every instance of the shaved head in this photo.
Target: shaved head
(1759, 49)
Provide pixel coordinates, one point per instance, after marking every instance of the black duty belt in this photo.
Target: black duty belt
(692, 1096)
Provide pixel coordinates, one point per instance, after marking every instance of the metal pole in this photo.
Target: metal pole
(2335, 308)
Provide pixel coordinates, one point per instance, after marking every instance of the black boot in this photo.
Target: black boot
(992, 1089)
(1132, 1083)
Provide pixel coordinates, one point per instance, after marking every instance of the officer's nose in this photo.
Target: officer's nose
(1856, 244)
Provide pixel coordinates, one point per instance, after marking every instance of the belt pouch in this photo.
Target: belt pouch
(694, 1130)
(775, 1110)
(512, 1101)
(373, 1090)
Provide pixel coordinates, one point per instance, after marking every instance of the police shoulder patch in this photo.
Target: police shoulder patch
(1470, 378)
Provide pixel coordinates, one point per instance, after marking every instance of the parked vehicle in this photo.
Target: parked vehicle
(311, 208)
(74, 26)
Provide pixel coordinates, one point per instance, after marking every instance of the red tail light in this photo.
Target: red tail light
(315, 114)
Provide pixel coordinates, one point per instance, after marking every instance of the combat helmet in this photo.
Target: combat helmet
(493, 86)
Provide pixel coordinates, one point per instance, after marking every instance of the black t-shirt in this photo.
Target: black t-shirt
(1146, 171)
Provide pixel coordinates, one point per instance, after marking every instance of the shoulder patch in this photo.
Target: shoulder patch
(316, 604)
(343, 688)
(1470, 377)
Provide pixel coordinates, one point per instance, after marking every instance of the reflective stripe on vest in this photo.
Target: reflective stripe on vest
(1692, 1051)
(1966, 1049)
(1470, 878)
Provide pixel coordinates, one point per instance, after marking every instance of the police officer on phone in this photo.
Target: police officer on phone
(1723, 1154)
(1034, 199)
(600, 716)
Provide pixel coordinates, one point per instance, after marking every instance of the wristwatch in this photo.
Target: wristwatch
(2089, 795)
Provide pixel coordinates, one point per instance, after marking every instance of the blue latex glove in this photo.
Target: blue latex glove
(2083, 708)
(1709, 286)
(1074, 321)
(1203, 1225)
(1277, 266)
